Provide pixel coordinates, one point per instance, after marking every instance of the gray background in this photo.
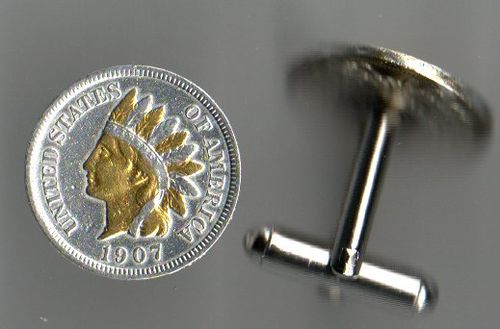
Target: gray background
(437, 212)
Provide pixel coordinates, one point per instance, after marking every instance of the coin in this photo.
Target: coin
(133, 172)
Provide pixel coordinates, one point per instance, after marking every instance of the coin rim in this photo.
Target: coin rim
(469, 98)
(194, 252)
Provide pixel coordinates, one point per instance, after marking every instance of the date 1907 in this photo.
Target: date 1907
(138, 255)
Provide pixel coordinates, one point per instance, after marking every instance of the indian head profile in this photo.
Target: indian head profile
(141, 170)
(133, 172)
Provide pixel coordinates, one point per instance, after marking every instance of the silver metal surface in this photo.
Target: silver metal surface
(399, 85)
(271, 245)
(392, 86)
(352, 235)
(58, 170)
(438, 211)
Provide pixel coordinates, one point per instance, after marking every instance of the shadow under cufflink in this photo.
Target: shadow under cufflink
(393, 90)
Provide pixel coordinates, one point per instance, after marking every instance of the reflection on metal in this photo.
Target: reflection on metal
(268, 244)
(394, 87)
(134, 177)
(355, 221)
(399, 86)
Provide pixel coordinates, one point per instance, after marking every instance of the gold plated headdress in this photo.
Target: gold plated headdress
(157, 162)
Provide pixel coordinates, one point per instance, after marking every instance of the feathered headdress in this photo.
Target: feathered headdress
(152, 134)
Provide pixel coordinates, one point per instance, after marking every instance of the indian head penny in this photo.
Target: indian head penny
(133, 172)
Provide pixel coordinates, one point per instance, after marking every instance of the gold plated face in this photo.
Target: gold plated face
(133, 172)
(120, 175)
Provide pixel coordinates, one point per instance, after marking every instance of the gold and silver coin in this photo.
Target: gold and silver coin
(133, 172)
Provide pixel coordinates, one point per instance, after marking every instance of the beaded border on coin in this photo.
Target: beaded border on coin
(174, 264)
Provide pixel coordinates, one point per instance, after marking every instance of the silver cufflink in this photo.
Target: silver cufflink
(394, 87)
